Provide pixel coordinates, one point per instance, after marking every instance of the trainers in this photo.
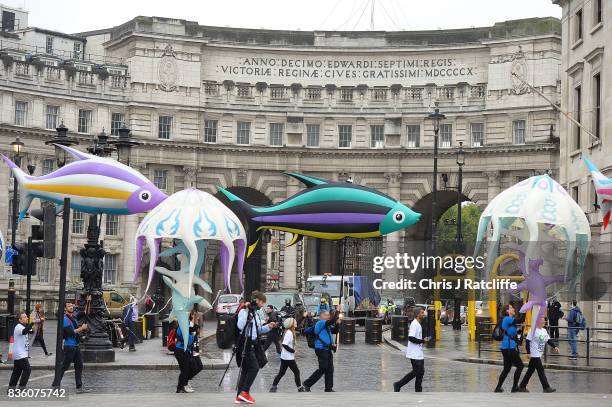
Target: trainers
(188, 388)
(181, 390)
(246, 397)
(330, 391)
(82, 390)
(237, 400)
(301, 389)
(549, 390)
(573, 358)
(523, 389)
(306, 389)
(396, 387)
(498, 390)
(273, 389)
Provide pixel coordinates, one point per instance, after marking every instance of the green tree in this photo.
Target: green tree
(447, 229)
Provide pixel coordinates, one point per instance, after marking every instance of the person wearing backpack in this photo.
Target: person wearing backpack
(554, 314)
(536, 343)
(185, 356)
(324, 348)
(509, 347)
(288, 356)
(575, 322)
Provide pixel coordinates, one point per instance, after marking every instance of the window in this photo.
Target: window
(575, 194)
(51, 117)
(117, 120)
(8, 21)
(210, 131)
(518, 132)
(578, 26)
(313, 93)
(577, 116)
(78, 222)
(244, 91)
(165, 127)
(346, 95)
(277, 92)
(597, 7)
(43, 269)
(477, 134)
(244, 133)
(47, 166)
(276, 134)
(112, 225)
(21, 111)
(76, 53)
(211, 89)
(414, 135)
(446, 135)
(84, 121)
(597, 104)
(49, 45)
(377, 136)
(345, 134)
(109, 276)
(75, 266)
(160, 179)
(312, 135)
(379, 95)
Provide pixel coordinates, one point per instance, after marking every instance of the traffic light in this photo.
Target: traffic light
(19, 261)
(46, 215)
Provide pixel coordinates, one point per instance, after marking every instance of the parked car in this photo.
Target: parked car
(277, 300)
(115, 302)
(227, 304)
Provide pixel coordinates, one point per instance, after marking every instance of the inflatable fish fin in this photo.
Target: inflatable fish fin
(254, 233)
(76, 154)
(294, 239)
(25, 199)
(606, 220)
(306, 180)
(24, 204)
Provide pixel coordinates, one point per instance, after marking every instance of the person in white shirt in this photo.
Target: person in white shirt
(536, 343)
(414, 352)
(21, 350)
(288, 356)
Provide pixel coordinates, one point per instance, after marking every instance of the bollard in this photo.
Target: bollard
(347, 331)
(373, 333)
(165, 332)
(225, 333)
(399, 327)
(429, 327)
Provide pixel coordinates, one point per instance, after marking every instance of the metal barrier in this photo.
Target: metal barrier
(486, 328)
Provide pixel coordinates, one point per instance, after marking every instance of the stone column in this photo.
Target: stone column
(289, 280)
(392, 240)
(128, 254)
(494, 184)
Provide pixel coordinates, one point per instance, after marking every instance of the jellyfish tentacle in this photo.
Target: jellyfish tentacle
(241, 247)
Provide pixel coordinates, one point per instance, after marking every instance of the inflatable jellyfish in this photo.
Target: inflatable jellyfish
(536, 212)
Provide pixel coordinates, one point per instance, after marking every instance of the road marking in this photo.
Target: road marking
(44, 376)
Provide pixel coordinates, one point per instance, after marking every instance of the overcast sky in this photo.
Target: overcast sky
(72, 16)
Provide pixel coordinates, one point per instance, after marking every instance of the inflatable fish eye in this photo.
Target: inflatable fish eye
(398, 217)
(145, 196)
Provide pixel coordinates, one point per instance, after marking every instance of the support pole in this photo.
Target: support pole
(62, 294)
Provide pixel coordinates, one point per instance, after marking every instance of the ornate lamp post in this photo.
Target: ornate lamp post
(17, 146)
(61, 139)
(436, 117)
(460, 162)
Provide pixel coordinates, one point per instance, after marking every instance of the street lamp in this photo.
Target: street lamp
(17, 147)
(101, 146)
(61, 139)
(124, 144)
(436, 117)
(460, 163)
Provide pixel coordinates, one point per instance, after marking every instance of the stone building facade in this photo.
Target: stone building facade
(237, 107)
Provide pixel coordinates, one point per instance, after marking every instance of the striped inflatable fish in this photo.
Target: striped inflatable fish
(327, 210)
(603, 188)
(93, 184)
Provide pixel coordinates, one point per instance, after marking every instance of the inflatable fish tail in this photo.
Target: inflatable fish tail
(25, 199)
(603, 189)
(254, 233)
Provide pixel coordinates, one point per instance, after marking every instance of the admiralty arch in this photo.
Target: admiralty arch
(237, 107)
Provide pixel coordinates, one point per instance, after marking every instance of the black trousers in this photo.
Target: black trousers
(283, 369)
(131, 326)
(272, 337)
(40, 339)
(535, 364)
(554, 329)
(249, 370)
(72, 354)
(417, 373)
(326, 367)
(21, 369)
(511, 358)
(182, 358)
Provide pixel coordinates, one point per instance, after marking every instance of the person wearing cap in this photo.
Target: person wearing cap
(288, 356)
(323, 306)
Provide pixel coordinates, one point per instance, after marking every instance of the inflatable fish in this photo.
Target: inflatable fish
(93, 184)
(327, 210)
(603, 188)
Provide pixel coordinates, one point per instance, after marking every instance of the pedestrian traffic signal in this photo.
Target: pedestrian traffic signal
(46, 215)
(18, 260)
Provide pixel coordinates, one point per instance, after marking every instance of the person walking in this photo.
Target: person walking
(414, 352)
(509, 347)
(250, 327)
(288, 356)
(536, 343)
(554, 314)
(39, 322)
(21, 351)
(187, 357)
(274, 335)
(324, 348)
(72, 352)
(130, 316)
(575, 322)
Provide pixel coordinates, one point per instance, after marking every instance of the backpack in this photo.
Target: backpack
(498, 332)
(579, 319)
(171, 342)
(311, 336)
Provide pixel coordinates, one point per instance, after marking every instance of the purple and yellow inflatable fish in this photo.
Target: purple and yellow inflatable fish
(93, 184)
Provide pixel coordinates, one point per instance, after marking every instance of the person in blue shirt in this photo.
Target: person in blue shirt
(72, 353)
(323, 306)
(324, 348)
(509, 347)
(189, 368)
(575, 322)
